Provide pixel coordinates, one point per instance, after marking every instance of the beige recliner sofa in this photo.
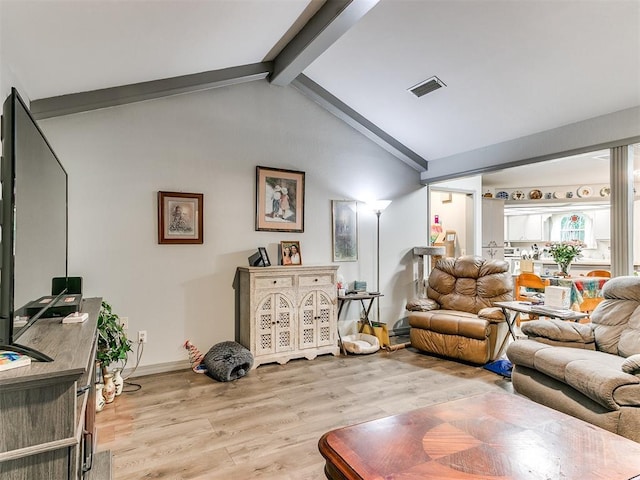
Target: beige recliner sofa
(590, 371)
(457, 320)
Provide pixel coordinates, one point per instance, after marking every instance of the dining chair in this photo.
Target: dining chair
(532, 282)
(599, 273)
(589, 304)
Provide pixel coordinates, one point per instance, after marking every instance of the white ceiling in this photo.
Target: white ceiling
(512, 68)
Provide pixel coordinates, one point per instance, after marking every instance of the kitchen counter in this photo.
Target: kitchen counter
(548, 265)
(583, 261)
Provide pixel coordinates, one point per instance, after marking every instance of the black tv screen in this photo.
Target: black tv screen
(34, 222)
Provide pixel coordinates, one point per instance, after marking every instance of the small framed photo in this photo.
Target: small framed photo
(265, 257)
(345, 230)
(290, 253)
(180, 218)
(279, 200)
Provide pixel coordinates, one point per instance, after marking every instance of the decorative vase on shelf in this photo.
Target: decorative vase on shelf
(118, 381)
(99, 397)
(109, 388)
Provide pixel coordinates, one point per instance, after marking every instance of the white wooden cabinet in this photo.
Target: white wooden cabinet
(492, 222)
(287, 312)
(524, 228)
(601, 224)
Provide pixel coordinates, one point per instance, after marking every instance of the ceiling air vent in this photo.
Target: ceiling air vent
(427, 86)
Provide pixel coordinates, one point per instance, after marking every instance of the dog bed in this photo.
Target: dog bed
(361, 343)
(228, 361)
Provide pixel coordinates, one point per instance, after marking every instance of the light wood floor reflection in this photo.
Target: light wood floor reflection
(183, 425)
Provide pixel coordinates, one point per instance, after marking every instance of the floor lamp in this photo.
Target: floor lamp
(378, 207)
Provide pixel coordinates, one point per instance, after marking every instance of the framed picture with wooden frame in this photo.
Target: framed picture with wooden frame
(290, 253)
(279, 200)
(344, 230)
(180, 218)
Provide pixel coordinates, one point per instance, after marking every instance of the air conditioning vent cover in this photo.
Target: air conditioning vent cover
(427, 86)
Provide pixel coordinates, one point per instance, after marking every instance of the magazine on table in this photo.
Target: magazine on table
(9, 360)
(558, 312)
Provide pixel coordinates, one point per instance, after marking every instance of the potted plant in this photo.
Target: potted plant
(113, 344)
(564, 253)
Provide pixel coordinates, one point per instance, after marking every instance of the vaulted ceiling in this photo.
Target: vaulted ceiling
(511, 68)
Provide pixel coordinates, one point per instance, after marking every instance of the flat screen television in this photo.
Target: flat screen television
(34, 224)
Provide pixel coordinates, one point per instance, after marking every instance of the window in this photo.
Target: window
(572, 228)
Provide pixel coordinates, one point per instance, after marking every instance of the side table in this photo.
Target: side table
(343, 299)
(526, 307)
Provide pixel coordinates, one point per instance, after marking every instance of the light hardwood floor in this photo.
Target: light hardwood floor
(183, 425)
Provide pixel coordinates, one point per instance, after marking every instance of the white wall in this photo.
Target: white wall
(472, 185)
(452, 215)
(210, 142)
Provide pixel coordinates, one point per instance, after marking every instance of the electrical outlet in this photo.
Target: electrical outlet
(124, 321)
(142, 336)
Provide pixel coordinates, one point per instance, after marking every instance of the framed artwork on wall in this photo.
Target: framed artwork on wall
(180, 218)
(290, 253)
(279, 200)
(344, 230)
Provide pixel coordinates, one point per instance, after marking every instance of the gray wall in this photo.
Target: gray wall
(210, 142)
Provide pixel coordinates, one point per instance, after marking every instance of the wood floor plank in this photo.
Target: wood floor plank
(182, 425)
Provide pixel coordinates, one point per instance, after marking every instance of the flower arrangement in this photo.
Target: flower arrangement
(563, 253)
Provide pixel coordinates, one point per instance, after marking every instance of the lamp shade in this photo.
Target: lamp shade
(379, 205)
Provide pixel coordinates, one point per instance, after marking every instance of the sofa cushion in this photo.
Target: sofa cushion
(451, 322)
(597, 381)
(616, 320)
(469, 283)
(629, 343)
(523, 352)
(596, 375)
(553, 361)
(632, 365)
(559, 330)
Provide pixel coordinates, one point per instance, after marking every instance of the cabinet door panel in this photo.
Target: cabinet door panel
(274, 325)
(325, 320)
(308, 330)
(265, 323)
(316, 320)
(524, 228)
(284, 326)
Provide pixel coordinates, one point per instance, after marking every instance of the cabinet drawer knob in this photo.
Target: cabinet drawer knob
(316, 280)
(275, 281)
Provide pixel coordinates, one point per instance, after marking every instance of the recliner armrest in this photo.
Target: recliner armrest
(559, 331)
(492, 314)
(422, 305)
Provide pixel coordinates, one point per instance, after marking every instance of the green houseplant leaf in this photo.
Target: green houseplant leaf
(113, 345)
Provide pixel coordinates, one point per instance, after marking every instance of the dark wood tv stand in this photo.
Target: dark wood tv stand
(47, 428)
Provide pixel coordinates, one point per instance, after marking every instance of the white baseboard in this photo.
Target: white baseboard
(157, 368)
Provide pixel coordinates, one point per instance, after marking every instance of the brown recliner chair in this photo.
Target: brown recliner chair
(457, 319)
(590, 371)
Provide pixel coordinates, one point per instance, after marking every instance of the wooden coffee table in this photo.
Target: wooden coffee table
(490, 436)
